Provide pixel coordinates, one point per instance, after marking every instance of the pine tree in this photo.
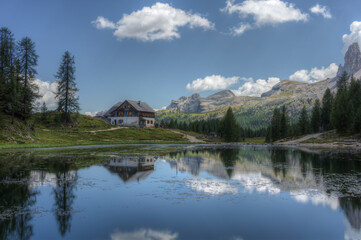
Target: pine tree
(275, 125)
(342, 82)
(66, 92)
(283, 123)
(303, 122)
(28, 61)
(316, 117)
(327, 102)
(14, 103)
(231, 130)
(7, 45)
(357, 121)
(341, 112)
(44, 112)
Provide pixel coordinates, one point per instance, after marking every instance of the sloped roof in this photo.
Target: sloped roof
(138, 105)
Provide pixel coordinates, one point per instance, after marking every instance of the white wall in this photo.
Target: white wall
(127, 121)
(131, 121)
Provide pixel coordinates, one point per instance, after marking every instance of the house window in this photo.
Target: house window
(151, 122)
(131, 113)
(147, 121)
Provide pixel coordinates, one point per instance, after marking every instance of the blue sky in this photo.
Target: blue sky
(158, 48)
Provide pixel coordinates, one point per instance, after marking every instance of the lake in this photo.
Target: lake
(215, 192)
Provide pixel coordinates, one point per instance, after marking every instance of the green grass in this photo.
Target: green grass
(52, 133)
(256, 140)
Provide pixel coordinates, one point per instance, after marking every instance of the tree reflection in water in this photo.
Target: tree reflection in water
(331, 179)
(64, 196)
(15, 209)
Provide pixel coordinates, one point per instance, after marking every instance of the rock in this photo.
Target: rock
(352, 60)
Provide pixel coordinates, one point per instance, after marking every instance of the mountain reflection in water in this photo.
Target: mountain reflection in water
(134, 195)
(307, 177)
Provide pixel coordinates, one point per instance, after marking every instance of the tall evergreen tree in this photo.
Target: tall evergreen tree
(7, 45)
(316, 116)
(44, 112)
(327, 102)
(357, 121)
(275, 125)
(342, 82)
(14, 104)
(28, 61)
(283, 123)
(341, 112)
(230, 129)
(303, 122)
(66, 92)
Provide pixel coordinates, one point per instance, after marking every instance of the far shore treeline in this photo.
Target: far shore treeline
(340, 111)
(18, 92)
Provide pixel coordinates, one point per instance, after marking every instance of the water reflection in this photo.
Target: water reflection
(131, 169)
(213, 179)
(320, 179)
(144, 234)
(16, 211)
(64, 197)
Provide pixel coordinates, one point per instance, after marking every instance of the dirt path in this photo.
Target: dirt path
(190, 138)
(296, 141)
(104, 130)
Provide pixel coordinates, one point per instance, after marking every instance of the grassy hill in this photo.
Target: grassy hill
(83, 130)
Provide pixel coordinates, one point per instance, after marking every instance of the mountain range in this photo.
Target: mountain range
(256, 111)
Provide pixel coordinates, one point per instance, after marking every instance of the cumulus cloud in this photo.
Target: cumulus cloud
(47, 92)
(354, 36)
(264, 12)
(315, 74)
(160, 21)
(256, 88)
(321, 10)
(102, 23)
(214, 82)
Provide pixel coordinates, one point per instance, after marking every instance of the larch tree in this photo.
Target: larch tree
(316, 117)
(67, 90)
(230, 128)
(7, 46)
(303, 122)
(327, 103)
(28, 60)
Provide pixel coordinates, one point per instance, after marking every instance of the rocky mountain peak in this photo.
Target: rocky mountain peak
(352, 60)
(222, 94)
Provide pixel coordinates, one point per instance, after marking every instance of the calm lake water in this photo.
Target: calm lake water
(207, 193)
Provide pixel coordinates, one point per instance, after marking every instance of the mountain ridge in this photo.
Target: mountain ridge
(257, 111)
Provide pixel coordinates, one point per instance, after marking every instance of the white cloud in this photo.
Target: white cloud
(102, 23)
(241, 29)
(354, 36)
(256, 88)
(160, 21)
(321, 10)
(315, 74)
(144, 234)
(47, 92)
(211, 186)
(214, 82)
(264, 12)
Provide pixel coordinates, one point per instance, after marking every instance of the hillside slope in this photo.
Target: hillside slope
(84, 130)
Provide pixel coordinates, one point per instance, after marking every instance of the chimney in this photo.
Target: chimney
(139, 103)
